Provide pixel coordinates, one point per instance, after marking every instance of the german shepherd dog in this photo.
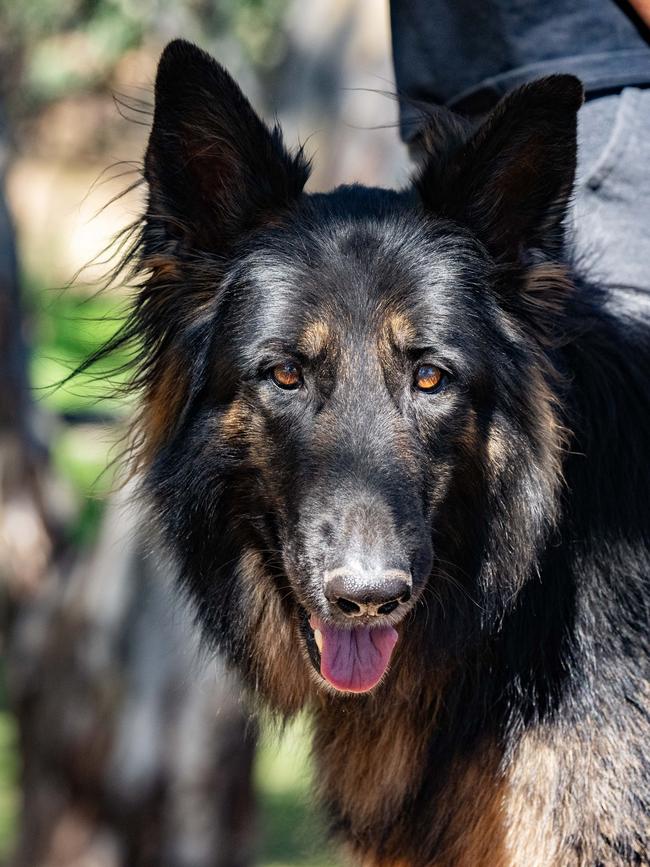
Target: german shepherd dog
(398, 445)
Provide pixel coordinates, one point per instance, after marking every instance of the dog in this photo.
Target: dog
(397, 444)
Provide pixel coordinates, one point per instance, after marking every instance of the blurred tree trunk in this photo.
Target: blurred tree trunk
(26, 537)
(134, 752)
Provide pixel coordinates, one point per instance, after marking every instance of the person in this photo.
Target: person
(467, 54)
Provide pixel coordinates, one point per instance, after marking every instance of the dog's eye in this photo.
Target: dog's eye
(428, 377)
(287, 375)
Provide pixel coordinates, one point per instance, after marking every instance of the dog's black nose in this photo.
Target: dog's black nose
(356, 594)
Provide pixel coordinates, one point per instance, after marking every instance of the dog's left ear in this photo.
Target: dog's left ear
(511, 180)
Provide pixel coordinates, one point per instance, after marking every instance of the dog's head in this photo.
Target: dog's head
(348, 425)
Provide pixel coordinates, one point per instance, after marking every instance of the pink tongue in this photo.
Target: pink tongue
(354, 660)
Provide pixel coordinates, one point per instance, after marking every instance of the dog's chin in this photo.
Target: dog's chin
(351, 660)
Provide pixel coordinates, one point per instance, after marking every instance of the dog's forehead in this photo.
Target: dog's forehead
(393, 277)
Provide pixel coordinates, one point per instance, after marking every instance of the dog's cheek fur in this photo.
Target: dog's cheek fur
(162, 407)
(275, 658)
(500, 493)
(523, 468)
(218, 468)
(277, 663)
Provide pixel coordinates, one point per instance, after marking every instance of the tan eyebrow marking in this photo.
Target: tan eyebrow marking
(400, 329)
(314, 338)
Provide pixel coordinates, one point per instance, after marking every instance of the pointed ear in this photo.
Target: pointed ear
(510, 181)
(214, 169)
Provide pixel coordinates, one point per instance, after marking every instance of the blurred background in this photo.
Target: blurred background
(121, 745)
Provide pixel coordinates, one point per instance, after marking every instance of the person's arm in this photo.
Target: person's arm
(642, 9)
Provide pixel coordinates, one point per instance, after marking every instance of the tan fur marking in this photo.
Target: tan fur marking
(547, 288)
(471, 825)
(233, 423)
(396, 331)
(497, 447)
(543, 407)
(278, 663)
(162, 268)
(571, 795)
(534, 783)
(161, 409)
(558, 803)
(468, 438)
(371, 778)
(476, 830)
(314, 338)
(400, 329)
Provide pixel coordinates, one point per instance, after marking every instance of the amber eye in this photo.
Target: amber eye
(287, 375)
(428, 377)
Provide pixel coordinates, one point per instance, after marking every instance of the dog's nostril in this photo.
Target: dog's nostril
(388, 607)
(347, 607)
(406, 596)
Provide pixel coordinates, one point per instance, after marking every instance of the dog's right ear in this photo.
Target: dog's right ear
(214, 169)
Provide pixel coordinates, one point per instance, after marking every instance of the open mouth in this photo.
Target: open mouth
(350, 660)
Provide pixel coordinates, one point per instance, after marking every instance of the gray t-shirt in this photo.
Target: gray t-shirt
(467, 53)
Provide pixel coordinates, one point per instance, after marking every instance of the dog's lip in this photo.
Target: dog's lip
(309, 638)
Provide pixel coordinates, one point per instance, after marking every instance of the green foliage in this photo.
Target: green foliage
(293, 831)
(9, 771)
(68, 328)
(256, 25)
(73, 45)
(82, 456)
